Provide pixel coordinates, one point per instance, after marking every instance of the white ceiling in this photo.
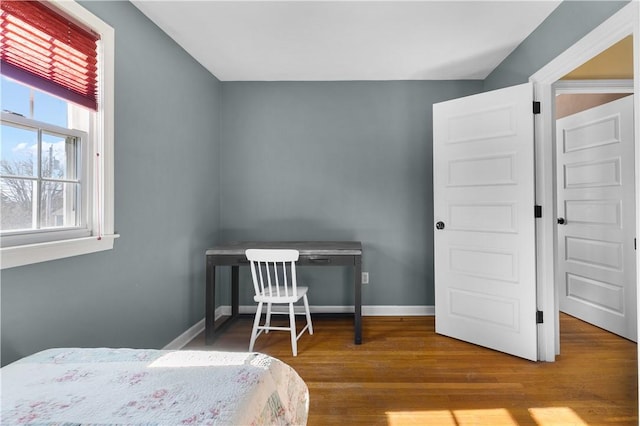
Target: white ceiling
(348, 40)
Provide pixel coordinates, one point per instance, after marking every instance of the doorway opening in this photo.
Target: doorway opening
(621, 28)
(595, 197)
(596, 267)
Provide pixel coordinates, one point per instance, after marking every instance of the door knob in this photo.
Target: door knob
(440, 225)
(561, 221)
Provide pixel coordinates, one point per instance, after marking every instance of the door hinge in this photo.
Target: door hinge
(634, 244)
(539, 317)
(536, 107)
(537, 211)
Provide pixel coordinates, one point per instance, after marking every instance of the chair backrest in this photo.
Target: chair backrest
(273, 271)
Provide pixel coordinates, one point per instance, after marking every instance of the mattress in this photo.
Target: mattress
(151, 387)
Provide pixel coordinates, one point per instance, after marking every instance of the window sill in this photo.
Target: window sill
(11, 257)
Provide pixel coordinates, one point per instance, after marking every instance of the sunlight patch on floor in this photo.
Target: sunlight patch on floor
(552, 416)
(494, 417)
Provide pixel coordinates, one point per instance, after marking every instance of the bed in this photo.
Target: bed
(73, 386)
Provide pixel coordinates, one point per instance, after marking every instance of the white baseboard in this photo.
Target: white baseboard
(367, 311)
(400, 311)
(193, 331)
(181, 341)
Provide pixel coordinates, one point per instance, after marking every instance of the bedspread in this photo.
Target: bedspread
(151, 387)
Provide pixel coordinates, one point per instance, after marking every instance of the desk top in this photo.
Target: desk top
(348, 248)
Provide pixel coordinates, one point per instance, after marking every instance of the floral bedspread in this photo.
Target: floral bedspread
(151, 387)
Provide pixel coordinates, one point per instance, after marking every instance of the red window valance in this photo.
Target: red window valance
(41, 47)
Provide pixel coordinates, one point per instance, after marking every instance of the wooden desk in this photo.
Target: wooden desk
(316, 253)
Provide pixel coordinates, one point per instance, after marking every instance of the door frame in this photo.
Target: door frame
(572, 87)
(623, 23)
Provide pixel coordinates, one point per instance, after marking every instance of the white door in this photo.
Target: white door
(485, 266)
(596, 217)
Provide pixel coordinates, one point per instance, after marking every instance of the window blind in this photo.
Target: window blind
(44, 49)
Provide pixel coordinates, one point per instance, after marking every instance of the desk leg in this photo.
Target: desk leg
(357, 282)
(211, 330)
(235, 291)
(210, 302)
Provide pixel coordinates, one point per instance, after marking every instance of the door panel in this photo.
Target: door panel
(484, 198)
(596, 199)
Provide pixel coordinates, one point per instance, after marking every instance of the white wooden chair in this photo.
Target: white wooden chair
(274, 281)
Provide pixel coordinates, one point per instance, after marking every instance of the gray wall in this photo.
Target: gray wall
(571, 21)
(341, 161)
(150, 288)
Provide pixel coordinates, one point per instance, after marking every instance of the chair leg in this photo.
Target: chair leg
(308, 312)
(268, 321)
(292, 325)
(256, 322)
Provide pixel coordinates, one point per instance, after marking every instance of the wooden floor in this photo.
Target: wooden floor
(405, 374)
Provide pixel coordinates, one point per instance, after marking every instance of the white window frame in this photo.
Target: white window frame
(101, 141)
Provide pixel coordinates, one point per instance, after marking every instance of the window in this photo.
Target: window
(42, 179)
(56, 140)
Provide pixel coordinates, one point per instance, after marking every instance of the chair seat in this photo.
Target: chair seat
(272, 296)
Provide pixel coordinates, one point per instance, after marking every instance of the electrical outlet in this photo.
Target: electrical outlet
(365, 278)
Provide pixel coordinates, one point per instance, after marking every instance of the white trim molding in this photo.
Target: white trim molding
(11, 257)
(593, 86)
(367, 310)
(182, 340)
(399, 311)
